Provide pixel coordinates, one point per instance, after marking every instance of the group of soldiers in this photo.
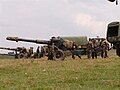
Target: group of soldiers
(95, 47)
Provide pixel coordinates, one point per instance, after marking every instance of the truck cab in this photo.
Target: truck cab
(113, 35)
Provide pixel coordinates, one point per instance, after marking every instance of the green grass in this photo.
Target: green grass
(6, 56)
(40, 74)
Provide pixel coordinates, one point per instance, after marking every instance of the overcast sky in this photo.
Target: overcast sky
(42, 19)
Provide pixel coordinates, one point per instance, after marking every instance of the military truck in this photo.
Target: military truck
(59, 46)
(113, 35)
(81, 41)
(20, 52)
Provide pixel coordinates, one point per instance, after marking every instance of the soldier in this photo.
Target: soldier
(75, 47)
(38, 52)
(16, 54)
(50, 52)
(30, 52)
(105, 48)
(89, 48)
(95, 49)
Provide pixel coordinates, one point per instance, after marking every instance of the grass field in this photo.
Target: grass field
(6, 56)
(41, 74)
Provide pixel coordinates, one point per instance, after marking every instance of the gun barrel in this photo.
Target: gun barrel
(8, 48)
(28, 40)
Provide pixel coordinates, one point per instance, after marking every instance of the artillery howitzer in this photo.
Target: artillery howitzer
(60, 47)
(20, 52)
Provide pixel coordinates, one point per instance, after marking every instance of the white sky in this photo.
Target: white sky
(42, 19)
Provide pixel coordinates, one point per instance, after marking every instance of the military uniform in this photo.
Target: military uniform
(95, 49)
(89, 48)
(30, 52)
(37, 52)
(74, 47)
(50, 52)
(105, 47)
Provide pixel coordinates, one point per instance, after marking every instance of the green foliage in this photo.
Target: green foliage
(78, 74)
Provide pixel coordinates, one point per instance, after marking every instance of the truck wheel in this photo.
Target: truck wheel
(21, 55)
(59, 55)
(118, 52)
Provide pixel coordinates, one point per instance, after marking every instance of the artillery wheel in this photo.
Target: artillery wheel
(59, 55)
(21, 55)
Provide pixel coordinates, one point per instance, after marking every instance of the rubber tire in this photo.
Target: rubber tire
(118, 52)
(59, 55)
(21, 55)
